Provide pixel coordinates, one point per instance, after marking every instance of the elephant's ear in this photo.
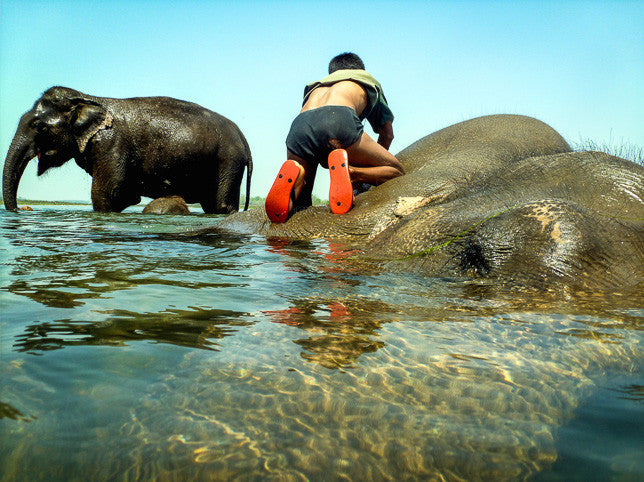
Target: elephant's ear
(88, 118)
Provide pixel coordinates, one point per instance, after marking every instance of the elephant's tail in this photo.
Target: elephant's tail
(249, 173)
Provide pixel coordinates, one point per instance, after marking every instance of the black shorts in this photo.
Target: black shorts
(312, 130)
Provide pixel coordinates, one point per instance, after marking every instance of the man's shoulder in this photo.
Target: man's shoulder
(356, 75)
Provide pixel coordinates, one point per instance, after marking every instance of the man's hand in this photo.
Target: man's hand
(386, 135)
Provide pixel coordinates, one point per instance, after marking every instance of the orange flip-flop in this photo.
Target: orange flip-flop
(278, 198)
(341, 190)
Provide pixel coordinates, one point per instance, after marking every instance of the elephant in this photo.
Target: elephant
(167, 205)
(145, 146)
(498, 199)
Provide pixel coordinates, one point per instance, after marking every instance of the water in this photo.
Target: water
(130, 350)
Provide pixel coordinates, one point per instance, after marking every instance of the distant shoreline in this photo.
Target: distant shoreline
(254, 201)
(33, 202)
(54, 203)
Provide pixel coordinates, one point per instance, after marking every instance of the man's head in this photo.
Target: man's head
(344, 61)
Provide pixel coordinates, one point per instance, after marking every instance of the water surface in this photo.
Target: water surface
(130, 349)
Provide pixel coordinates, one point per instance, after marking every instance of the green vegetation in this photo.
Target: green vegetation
(256, 201)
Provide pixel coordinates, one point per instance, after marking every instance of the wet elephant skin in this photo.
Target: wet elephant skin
(500, 198)
(146, 146)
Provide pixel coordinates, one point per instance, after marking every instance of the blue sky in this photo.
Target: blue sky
(576, 65)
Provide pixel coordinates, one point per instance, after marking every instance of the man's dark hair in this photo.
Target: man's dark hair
(344, 61)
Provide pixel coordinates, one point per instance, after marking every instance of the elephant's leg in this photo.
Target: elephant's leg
(216, 207)
(111, 189)
(209, 205)
(228, 196)
(229, 177)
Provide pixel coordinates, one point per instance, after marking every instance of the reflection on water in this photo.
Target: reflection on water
(132, 348)
(632, 392)
(7, 411)
(195, 328)
(340, 331)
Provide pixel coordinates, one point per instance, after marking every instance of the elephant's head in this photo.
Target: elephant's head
(57, 129)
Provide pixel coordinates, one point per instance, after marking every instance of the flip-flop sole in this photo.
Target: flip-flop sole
(276, 204)
(340, 190)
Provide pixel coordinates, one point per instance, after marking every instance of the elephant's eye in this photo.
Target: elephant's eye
(38, 125)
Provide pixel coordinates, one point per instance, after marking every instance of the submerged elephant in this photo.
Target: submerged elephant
(500, 197)
(167, 205)
(146, 146)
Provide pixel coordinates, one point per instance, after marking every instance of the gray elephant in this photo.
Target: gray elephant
(167, 205)
(146, 146)
(497, 197)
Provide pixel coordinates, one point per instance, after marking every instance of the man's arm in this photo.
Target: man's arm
(386, 135)
(381, 119)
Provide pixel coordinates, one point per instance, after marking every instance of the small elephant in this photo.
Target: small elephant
(145, 146)
(167, 205)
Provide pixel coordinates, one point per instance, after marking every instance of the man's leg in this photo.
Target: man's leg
(370, 162)
(280, 199)
(340, 190)
(291, 190)
(303, 189)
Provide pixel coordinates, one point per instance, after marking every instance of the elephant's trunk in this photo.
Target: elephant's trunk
(21, 151)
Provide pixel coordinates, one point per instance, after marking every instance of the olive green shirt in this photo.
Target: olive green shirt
(377, 111)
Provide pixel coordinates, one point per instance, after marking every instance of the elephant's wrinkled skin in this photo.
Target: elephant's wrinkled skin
(146, 146)
(500, 197)
(167, 205)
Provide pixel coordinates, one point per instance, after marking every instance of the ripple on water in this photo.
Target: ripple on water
(133, 350)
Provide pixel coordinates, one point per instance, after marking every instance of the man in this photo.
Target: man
(329, 132)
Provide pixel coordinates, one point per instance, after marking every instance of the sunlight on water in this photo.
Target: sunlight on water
(131, 348)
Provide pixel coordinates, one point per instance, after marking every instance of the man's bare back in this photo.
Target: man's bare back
(347, 93)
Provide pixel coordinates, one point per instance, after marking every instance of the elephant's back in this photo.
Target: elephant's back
(168, 109)
(503, 137)
(186, 125)
(438, 166)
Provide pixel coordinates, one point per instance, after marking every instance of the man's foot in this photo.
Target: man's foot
(279, 201)
(340, 191)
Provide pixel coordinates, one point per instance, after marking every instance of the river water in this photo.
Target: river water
(130, 349)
